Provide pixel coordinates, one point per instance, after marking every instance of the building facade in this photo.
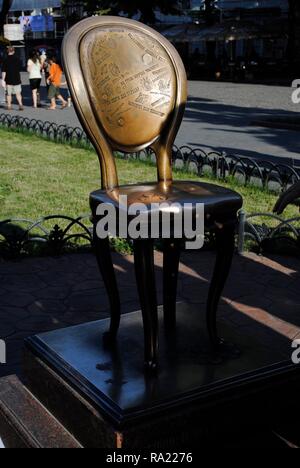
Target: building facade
(33, 23)
(263, 13)
(23, 5)
(259, 39)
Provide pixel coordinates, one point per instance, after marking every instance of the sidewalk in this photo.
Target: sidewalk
(36, 295)
(217, 115)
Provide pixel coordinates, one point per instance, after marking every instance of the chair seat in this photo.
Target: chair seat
(219, 202)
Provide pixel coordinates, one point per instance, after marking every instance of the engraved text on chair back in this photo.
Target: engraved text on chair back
(129, 88)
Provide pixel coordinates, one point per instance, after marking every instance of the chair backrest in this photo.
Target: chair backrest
(129, 89)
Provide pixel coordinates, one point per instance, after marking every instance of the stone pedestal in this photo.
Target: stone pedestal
(104, 399)
(25, 423)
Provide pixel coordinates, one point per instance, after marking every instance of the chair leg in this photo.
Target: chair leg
(171, 268)
(145, 275)
(106, 267)
(225, 238)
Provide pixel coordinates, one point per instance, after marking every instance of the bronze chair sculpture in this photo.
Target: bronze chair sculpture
(129, 88)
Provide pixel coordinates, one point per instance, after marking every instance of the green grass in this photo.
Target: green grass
(39, 178)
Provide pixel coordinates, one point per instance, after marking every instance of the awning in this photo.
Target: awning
(183, 33)
(24, 5)
(227, 31)
(238, 30)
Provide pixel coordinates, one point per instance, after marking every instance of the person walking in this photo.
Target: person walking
(54, 81)
(45, 66)
(34, 68)
(11, 78)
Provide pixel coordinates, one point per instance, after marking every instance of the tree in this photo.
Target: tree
(147, 9)
(294, 35)
(210, 12)
(210, 16)
(6, 5)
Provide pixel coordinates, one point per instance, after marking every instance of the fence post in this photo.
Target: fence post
(241, 233)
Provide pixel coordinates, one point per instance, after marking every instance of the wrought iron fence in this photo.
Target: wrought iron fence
(264, 174)
(58, 234)
(268, 233)
(45, 129)
(51, 235)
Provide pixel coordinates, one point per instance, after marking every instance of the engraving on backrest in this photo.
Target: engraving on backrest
(131, 82)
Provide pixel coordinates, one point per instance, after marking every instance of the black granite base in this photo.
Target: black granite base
(106, 400)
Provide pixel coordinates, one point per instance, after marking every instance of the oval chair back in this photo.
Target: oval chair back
(129, 89)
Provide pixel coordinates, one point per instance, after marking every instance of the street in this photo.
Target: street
(218, 116)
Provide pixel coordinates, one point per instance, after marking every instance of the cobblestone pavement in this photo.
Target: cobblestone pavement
(218, 116)
(261, 298)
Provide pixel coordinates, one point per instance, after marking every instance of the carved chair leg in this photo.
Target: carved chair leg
(145, 275)
(171, 268)
(106, 267)
(225, 250)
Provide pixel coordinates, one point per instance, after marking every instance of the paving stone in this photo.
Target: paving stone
(261, 297)
(88, 285)
(287, 312)
(281, 294)
(131, 306)
(46, 306)
(39, 323)
(7, 328)
(81, 303)
(250, 300)
(16, 299)
(18, 268)
(45, 264)
(195, 293)
(51, 292)
(128, 294)
(72, 318)
(26, 283)
(13, 313)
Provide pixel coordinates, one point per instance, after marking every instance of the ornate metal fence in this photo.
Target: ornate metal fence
(55, 235)
(264, 174)
(268, 233)
(51, 235)
(49, 130)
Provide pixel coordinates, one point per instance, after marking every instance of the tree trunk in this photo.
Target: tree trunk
(3, 14)
(297, 38)
(209, 12)
(210, 46)
(294, 37)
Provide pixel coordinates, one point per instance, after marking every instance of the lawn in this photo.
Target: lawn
(39, 178)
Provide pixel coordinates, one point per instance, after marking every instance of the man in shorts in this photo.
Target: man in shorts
(11, 78)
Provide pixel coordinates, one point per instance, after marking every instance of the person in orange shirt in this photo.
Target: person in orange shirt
(54, 81)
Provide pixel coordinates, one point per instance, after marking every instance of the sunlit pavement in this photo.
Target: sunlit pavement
(261, 298)
(218, 116)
